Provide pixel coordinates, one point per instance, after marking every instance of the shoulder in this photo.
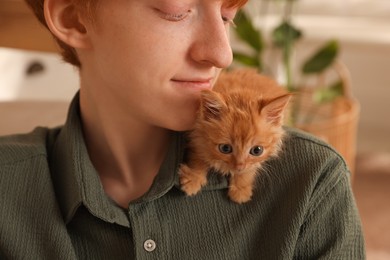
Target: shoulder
(19, 149)
(308, 161)
(308, 148)
(312, 164)
(24, 165)
(304, 138)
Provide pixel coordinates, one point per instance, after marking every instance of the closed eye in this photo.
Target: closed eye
(174, 17)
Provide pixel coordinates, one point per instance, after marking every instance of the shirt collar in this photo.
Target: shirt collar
(77, 182)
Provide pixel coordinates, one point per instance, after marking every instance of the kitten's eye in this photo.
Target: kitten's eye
(225, 148)
(256, 150)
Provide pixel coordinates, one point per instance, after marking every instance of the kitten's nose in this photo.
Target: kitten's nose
(240, 166)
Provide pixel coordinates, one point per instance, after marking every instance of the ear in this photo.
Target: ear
(274, 109)
(211, 105)
(65, 22)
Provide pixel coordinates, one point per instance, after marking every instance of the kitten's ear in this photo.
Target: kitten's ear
(212, 105)
(274, 109)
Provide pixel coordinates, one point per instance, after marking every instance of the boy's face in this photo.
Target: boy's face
(151, 58)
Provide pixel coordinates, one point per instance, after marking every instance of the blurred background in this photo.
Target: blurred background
(36, 86)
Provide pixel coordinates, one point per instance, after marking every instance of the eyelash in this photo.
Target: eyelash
(229, 21)
(176, 17)
(182, 16)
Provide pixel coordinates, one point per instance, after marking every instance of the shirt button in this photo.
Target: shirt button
(149, 245)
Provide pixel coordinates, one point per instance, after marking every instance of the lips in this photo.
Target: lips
(194, 83)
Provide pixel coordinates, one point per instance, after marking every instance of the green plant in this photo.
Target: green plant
(284, 37)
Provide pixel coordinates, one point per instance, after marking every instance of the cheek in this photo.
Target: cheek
(253, 161)
(126, 47)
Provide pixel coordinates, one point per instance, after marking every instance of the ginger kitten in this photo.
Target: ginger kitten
(239, 127)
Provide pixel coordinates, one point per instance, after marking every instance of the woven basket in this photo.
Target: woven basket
(335, 122)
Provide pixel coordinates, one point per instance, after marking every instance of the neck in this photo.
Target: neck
(126, 153)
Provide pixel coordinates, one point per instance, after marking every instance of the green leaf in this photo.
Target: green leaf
(329, 94)
(247, 32)
(285, 34)
(322, 59)
(247, 60)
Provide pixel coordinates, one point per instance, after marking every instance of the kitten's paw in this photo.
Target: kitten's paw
(190, 187)
(191, 182)
(240, 194)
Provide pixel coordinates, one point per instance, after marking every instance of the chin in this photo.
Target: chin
(182, 120)
(181, 125)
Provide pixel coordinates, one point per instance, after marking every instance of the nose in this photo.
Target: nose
(240, 166)
(212, 45)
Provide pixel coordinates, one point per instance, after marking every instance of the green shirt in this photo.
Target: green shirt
(53, 206)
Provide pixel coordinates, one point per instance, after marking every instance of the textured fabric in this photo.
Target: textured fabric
(53, 206)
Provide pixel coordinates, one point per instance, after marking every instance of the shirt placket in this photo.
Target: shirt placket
(148, 237)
